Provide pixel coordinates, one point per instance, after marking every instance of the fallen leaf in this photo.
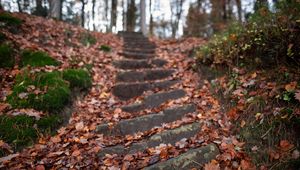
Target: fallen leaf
(213, 165)
(76, 153)
(8, 157)
(291, 86)
(297, 95)
(55, 139)
(40, 167)
(285, 145)
(79, 126)
(243, 123)
(295, 154)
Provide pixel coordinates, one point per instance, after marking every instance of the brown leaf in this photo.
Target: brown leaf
(79, 126)
(213, 165)
(55, 139)
(285, 145)
(76, 153)
(40, 167)
(291, 86)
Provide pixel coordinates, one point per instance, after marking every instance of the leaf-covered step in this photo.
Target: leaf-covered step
(138, 64)
(138, 45)
(139, 50)
(126, 91)
(154, 100)
(145, 75)
(147, 122)
(189, 160)
(167, 137)
(134, 55)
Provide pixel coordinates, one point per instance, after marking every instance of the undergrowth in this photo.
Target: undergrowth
(7, 59)
(41, 91)
(37, 59)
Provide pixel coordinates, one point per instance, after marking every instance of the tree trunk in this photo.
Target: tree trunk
(178, 11)
(19, 6)
(131, 16)
(83, 3)
(113, 17)
(124, 16)
(151, 25)
(55, 7)
(143, 16)
(93, 14)
(106, 14)
(239, 8)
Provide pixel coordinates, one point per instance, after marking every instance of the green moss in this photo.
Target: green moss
(54, 91)
(6, 56)
(105, 48)
(18, 130)
(22, 130)
(87, 39)
(37, 59)
(9, 19)
(77, 78)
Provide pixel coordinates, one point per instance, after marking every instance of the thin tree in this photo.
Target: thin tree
(83, 3)
(176, 11)
(19, 6)
(131, 16)
(55, 7)
(239, 9)
(143, 16)
(151, 25)
(113, 18)
(93, 14)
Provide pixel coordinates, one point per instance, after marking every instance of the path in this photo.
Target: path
(146, 109)
(140, 71)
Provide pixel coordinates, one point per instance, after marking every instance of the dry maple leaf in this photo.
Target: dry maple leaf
(291, 86)
(213, 165)
(285, 145)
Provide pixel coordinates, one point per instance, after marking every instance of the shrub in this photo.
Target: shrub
(6, 56)
(105, 48)
(41, 91)
(77, 78)
(22, 130)
(267, 39)
(37, 59)
(87, 39)
(9, 20)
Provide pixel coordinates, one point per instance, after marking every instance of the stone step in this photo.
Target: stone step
(151, 51)
(137, 45)
(166, 137)
(134, 55)
(193, 158)
(154, 100)
(145, 75)
(126, 91)
(146, 122)
(139, 64)
(130, 33)
(140, 48)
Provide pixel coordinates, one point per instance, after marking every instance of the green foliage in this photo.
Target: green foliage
(105, 48)
(37, 59)
(268, 38)
(6, 56)
(9, 20)
(87, 39)
(22, 130)
(77, 78)
(41, 91)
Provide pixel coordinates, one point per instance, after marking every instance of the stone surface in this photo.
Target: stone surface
(145, 75)
(137, 56)
(191, 159)
(129, 90)
(139, 64)
(166, 137)
(147, 122)
(154, 100)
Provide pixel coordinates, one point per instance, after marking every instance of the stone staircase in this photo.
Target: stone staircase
(140, 71)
